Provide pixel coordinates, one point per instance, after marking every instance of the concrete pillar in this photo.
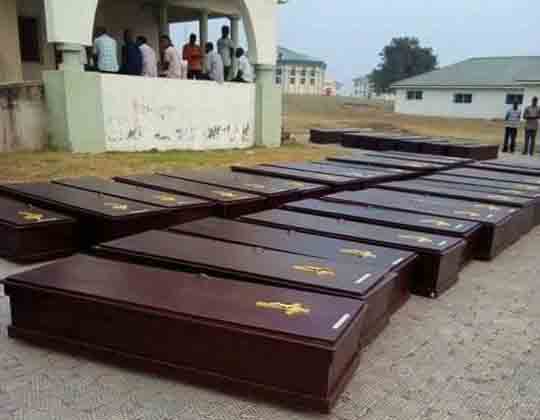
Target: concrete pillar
(235, 37)
(267, 107)
(71, 57)
(10, 53)
(164, 18)
(203, 34)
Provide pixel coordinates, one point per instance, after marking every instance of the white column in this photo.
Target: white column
(71, 57)
(203, 34)
(235, 36)
(164, 18)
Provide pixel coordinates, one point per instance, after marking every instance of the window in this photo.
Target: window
(293, 72)
(279, 72)
(278, 80)
(313, 73)
(463, 98)
(312, 81)
(29, 39)
(303, 73)
(415, 95)
(511, 99)
(302, 81)
(293, 81)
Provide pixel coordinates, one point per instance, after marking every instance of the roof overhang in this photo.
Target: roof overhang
(482, 87)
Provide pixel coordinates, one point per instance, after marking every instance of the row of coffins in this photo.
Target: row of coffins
(278, 302)
(391, 141)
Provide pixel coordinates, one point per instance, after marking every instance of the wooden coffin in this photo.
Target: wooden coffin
(399, 173)
(440, 257)
(449, 162)
(364, 177)
(508, 186)
(31, 234)
(438, 148)
(100, 217)
(370, 141)
(293, 242)
(294, 346)
(337, 183)
(277, 191)
(412, 145)
(473, 151)
(444, 226)
(230, 203)
(330, 135)
(419, 167)
(520, 170)
(494, 176)
(502, 226)
(254, 264)
(517, 163)
(528, 206)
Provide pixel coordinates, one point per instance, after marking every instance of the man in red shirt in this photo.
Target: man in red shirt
(192, 53)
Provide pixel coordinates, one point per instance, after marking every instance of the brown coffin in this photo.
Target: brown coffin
(440, 257)
(488, 166)
(370, 141)
(230, 203)
(294, 346)
(276, 191)
(412, 145)
(419, 167)
(502, 226)
(291, 241)
(399, 173)
(473, 151)
(31, 234)
(338, 183)
(508, 186)
(330, 135)
(528, 206)
(517, 163)
(449, 162)
(100, 217)
(364, 177)
(254, 264)
(444, 226)
(438, 148)
(494, 175)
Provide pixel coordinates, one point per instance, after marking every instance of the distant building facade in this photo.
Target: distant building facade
(476, 88)
(300, 74)
(331, 87)
(362, 87)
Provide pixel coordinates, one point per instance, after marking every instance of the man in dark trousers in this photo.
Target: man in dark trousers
(132, 60)
(531, 116)
(512, 122)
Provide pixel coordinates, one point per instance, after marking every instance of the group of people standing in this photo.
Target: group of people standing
(531, 115)
(139, 59)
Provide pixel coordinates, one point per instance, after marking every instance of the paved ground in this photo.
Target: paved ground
(472, 354)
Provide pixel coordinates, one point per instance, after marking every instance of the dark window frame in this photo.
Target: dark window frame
(415, 95)
(463, 98)
(29, 39)
(511, 98)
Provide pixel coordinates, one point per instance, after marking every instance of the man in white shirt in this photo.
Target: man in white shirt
(225, 48)
(173, 66)
(245, 71)
(214, 64)
(105, 52)
(512, 123)
(149, 68)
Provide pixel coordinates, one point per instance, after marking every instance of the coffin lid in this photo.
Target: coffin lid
(21, 215)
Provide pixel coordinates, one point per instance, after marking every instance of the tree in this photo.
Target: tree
(402, 58)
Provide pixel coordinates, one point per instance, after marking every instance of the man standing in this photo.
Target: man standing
(225, 48)
(149, 61)
(245, 71)
(192, 53)
(531, 116)
(172, 60)
(132, 61)
(512, 122)
(214, 64)
(105, 52)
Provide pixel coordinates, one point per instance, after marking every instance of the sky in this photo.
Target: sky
(349, 34)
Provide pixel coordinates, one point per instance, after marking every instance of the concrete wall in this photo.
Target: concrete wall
(23, 117)
(10, 52)
(486, 103)
(144, 114)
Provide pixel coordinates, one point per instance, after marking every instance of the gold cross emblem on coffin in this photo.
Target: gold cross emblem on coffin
(166, 198)
(419, 239)
(499, 197)
(255, 186)
(512, 192)
(358, 253)
(489, 207)
(297, 184)
(294, 309)
(30, 216)
(315, 269)
(117, 206)
(467, 213)
(329, 177)
(228, 195)
(439, 223)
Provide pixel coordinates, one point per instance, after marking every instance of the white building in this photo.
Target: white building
(475, 88)
(300, 74)
(362, 87)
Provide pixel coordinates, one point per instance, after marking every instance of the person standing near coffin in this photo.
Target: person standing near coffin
(105, 52)
(531, 116)
(171, 65)
(245, 71)
(132, 60)
(512, 122)
(225, 47)
(192, 53)
(149, 60)
(214, 65)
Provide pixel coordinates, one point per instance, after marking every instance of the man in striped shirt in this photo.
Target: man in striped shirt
(512, 122)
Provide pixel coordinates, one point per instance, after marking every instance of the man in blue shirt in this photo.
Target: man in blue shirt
(105, 52)
(132, 61)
